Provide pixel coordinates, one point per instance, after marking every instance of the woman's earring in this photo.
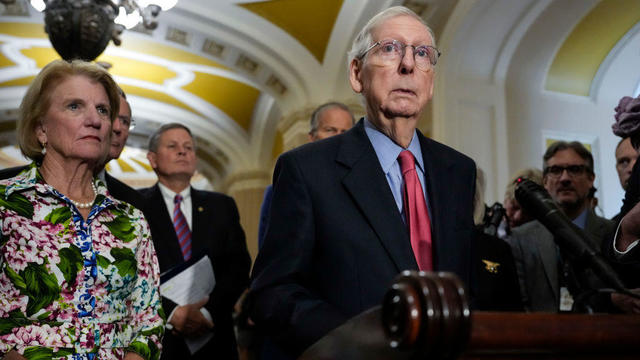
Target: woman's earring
(44, 148)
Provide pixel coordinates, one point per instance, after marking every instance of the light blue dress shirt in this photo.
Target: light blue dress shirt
(387, 152)
(581, 220)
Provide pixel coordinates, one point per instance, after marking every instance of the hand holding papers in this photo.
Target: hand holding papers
(189, 284)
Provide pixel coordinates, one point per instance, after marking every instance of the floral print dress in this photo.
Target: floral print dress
(75, 289)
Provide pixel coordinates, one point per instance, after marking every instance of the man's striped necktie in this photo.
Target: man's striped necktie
(182, 228)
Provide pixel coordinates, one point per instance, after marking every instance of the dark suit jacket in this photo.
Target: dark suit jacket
(122, 191)
(217, 232)
(537, 260)
(498, 287)
(264, 214)
(116, 188)
(11, 172)
(336, 239)
(628, 265)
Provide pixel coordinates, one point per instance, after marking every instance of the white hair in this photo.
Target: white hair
(364, 39)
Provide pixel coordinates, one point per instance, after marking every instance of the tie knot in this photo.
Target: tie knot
(407, 161)
(177, 199)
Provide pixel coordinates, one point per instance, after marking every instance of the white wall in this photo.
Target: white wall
(490, 101)
(534, 112)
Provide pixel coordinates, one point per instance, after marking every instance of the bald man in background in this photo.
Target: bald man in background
(327, 120)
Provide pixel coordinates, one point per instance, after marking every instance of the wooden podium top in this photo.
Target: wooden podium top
(413, 323)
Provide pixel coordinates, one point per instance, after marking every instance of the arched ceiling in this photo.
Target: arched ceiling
(229, 69)
(582, 53)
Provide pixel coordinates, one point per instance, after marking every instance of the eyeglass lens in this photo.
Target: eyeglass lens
(572, 170)
(391, 51)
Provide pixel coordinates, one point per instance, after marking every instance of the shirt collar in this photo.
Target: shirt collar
(388, 151)
(581, 220)
(27, 179)
(170, 194)
(30, 178)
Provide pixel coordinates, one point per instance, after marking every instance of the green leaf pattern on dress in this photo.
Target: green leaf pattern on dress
(42, 268)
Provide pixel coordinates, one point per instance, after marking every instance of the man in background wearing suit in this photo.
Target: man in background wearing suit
(119, 135)
(186, 222)
(341, 227)
(327, 120)
(546, 280)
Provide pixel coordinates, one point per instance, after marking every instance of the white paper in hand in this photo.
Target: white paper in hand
(192, 284)
(189, 286)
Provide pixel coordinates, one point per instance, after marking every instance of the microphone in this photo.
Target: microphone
(570, 238)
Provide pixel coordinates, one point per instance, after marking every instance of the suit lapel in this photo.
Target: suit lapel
(596, 230)
(198, 218)
(436, 172)
(364, 179)
(163, 222)
(548, 253)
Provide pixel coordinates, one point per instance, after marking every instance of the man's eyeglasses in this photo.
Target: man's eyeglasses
(390, 53)
(127, 121)
(573, 170)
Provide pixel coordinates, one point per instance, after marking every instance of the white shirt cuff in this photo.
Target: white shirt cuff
(617, 253)
(203, 310)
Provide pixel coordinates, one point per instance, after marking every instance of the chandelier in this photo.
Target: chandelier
(82, 29)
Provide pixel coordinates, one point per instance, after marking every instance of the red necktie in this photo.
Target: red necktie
(415, 209)
(182, 229)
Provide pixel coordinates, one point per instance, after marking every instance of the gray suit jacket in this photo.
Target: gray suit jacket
(537, 262)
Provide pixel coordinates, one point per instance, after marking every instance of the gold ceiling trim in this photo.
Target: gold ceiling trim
(5, 61)
(24, 30)
(158, 96)
(167, 52)
(24, 81)
(125, 167)
(145, 165)
(130, 42)
(136, 69)
(42, 56)
(234, 98)
(577, 61)
(310, 22)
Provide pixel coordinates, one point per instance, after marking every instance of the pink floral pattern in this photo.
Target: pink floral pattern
(72, 288)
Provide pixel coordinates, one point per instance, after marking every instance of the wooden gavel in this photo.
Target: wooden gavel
(427, 316)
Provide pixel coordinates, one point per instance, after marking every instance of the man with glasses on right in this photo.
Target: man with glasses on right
(546, 282)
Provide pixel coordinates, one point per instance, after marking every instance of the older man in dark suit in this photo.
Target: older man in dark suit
(352, 211)
(184, 223)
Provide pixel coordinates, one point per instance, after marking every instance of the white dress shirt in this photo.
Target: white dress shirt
(185, 205)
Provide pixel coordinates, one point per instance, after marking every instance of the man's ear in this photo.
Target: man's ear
(355, 73)
(433, 82)
(151, 156)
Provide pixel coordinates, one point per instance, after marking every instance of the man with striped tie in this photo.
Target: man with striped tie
(186, 223)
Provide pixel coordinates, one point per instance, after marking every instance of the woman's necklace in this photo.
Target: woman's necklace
(81, 205)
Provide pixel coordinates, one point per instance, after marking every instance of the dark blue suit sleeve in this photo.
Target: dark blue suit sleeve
(285, 299)
(264, 215)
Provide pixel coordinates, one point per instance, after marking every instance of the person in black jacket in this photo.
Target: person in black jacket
(185, 223)
(622, 249)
